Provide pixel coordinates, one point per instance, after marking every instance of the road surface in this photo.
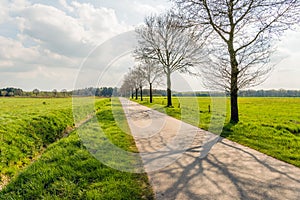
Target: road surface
(181, 165)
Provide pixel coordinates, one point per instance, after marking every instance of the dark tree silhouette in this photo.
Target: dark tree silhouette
(36, 92)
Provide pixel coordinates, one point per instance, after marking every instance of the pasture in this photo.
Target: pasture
(269, 125)
(27, 126)
(31, 130)
(63, 168)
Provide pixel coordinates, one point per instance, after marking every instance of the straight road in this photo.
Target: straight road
(182, 165)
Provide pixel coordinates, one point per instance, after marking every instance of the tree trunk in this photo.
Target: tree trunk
(136, 93)
(169, 93)
(151, 93)
(234, 117)
(141, 93)
(132, 93)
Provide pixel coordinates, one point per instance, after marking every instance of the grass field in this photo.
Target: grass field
(269, 125)
(27, 126)
(67, 170)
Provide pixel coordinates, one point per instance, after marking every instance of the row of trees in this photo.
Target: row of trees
(269, 93)
(134, 81)
(11, 92)
(227, 43)
(103, 92)
(245, 93)
(8, 92)
(54, 93)
(91, 91)
(164, 47)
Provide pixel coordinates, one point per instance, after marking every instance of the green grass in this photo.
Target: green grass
(269, 125)
(68, 169)
(27, 125)
(109, 139)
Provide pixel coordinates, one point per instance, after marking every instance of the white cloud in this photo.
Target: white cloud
(48, 39)
(291, 42)
(65, 5)
(99, 23)
(53, 29)
(12, 51)
(42, 78)
(147, 9)
(6, 64)
(287, 57)
(42, 43)
(3, 11)
(17, 58)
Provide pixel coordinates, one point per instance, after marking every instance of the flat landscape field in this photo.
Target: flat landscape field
(37, 162)
(269, 125)
(27, 125)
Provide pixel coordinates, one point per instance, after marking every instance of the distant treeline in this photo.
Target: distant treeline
(11, 92)
(102, 91)
(91, 91)
(246, 93)
(109, 91)
(270, 93)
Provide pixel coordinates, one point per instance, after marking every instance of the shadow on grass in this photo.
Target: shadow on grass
(227, 129)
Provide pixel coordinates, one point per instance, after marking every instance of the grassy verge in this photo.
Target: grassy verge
(27, 126)
(67, 170)
(269, 125)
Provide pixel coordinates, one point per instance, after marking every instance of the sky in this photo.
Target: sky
(66, 44)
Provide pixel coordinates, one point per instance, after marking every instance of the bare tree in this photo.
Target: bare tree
(132, 81)
(127, 86)
(139, 78)
(242, 34)
(163, 39)
(152, 73)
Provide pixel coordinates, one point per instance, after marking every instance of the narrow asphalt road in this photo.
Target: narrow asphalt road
(181, 165)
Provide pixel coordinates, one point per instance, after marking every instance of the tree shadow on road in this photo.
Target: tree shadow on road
(227, 172)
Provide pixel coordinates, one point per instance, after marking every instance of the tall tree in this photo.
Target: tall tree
(163, 39)
(152, 73)
(242, 34)
(139, 78)
(127, 86)
(132, 81)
